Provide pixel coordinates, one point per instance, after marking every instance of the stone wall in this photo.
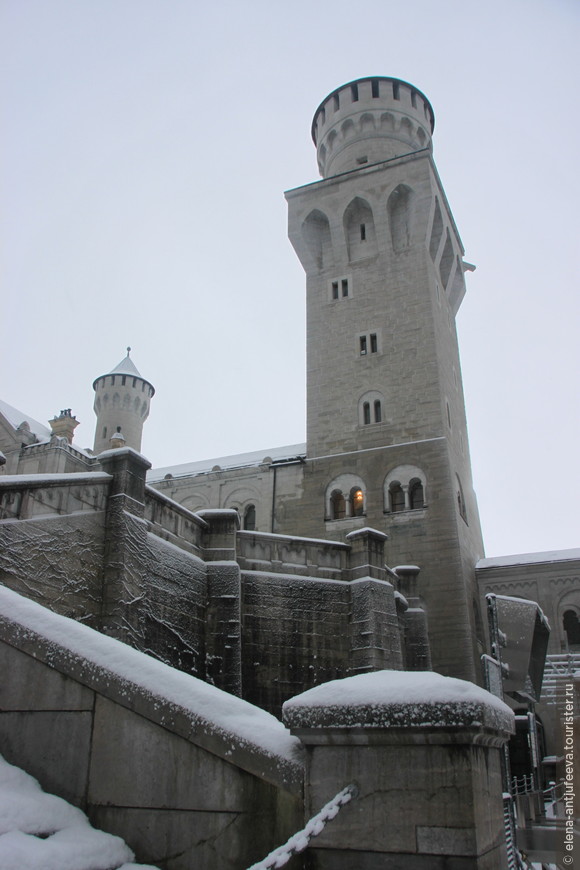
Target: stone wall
(187, 775)
(260, 615)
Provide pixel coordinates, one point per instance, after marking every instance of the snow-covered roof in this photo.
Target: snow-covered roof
(238, 460)
(16, 417)
(42, 830)
(126, 367)
(530, 558)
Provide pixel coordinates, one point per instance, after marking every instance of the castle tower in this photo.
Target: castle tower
(386, 430)
(122, 399)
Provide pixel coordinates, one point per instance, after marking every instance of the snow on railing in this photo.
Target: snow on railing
(299, 842)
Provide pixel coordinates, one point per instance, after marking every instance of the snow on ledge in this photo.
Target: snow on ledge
(40, 830)
(224, 724)
(530, 558)
(398, 699)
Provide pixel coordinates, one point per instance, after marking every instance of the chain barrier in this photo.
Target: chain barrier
(315, 826)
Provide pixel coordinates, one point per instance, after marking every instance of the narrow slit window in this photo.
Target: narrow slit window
(363, 232)
(354, 93)
(396, 94)
(374, 343)
(374, 88)
(378, 411)
(322, 116)
(123, 379)
(344, 284)
(414, 99)
(366, 413)
(335, 289)
(363, 345)
(336, 102)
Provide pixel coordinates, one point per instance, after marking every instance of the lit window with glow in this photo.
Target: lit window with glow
(358, 502)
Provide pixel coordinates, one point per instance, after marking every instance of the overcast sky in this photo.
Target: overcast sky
(148, 146)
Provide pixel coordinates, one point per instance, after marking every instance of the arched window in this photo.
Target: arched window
(572, 629)
(250, 518)
(357, 501)
(345, 497)
(359, 229)
(416, 497)
(396, 497)
(316, 234)
(400, 208)
(405, 489)
(337, 505)
(370, 405)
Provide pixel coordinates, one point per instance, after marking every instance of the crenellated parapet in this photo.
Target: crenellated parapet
(370, 120)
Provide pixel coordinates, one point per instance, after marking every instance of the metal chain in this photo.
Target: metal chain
(315, 826)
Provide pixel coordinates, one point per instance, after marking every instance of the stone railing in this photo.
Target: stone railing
(25, 496)
(172, 522)
(261, 551)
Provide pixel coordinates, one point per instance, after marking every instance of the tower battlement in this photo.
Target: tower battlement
(370, 120)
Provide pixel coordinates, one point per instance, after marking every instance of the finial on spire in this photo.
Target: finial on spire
(128, 351)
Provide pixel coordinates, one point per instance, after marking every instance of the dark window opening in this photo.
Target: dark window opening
(378, 411)
(354, 92)
(336, 102)
(414, 99)
(396, 497)
(416, 497)
(363, 345)
(396, 95)
(374, 343)
(322, 116)
(337, 505)
(572, 629)
(366, 413)
(104, 431)
(250, 518)
(335, 289)
(374, 88)
(344, 284)
(363, 232)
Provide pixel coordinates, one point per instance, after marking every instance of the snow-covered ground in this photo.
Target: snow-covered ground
(39, 831)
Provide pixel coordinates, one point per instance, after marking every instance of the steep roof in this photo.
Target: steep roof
(126, 367)
(16, 417)
(238, 460)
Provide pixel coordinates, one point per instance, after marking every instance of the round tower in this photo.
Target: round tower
(369, 121)
(122, 399)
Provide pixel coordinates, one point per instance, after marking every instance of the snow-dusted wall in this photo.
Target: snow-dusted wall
(260, 615)
(188, 775)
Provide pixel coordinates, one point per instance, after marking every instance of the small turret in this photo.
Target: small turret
(122, 399)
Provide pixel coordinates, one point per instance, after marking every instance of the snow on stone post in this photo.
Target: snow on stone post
(424, 753)
(367, 553)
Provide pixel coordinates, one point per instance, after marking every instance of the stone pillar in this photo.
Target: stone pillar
(417, 649)
(424, 753)
(366, 558)
(125, 544)
(223, 635)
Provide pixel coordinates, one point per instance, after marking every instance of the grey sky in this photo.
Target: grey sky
(148, 148)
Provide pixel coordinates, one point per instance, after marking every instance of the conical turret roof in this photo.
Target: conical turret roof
(126, 367)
